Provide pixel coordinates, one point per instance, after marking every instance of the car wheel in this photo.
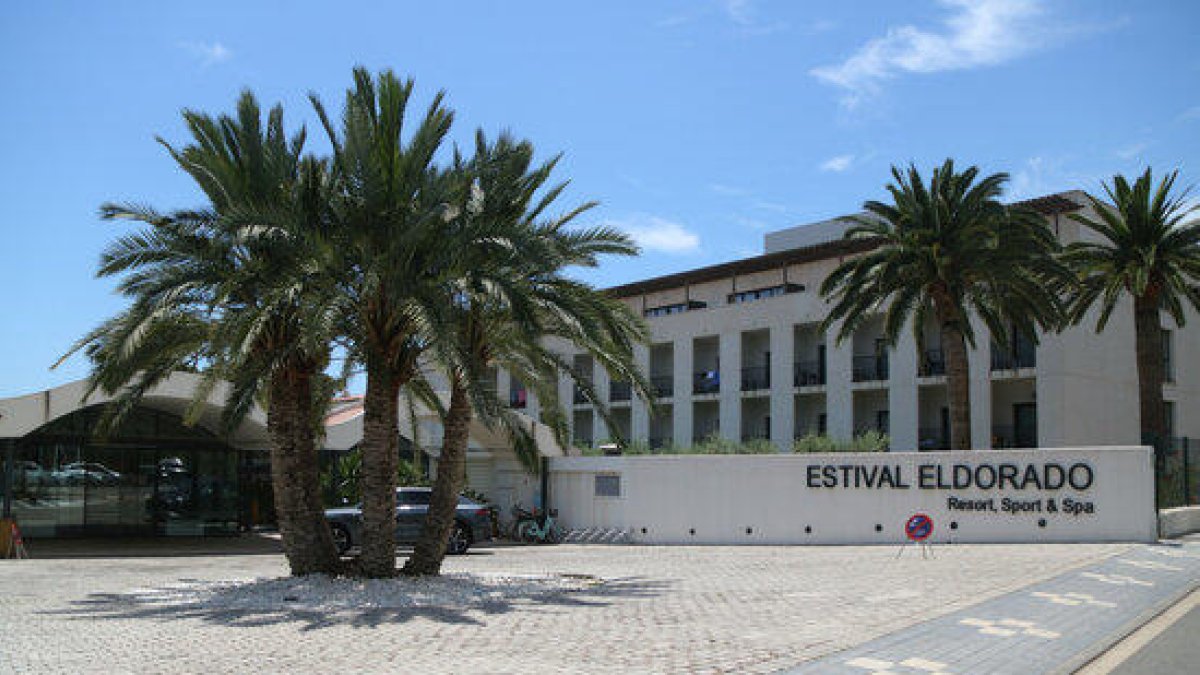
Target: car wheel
(341, 537)
(460, 539)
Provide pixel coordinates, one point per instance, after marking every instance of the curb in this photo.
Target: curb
(1097, 649)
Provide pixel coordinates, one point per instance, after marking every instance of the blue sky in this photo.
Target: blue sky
(698, 125)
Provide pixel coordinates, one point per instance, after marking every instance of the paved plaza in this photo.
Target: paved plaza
(619, 609)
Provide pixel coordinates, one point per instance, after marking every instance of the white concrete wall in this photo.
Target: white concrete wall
(1174, 523)
(716, 499)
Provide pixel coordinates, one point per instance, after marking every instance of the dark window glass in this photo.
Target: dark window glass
(608, 485)
(414, 497)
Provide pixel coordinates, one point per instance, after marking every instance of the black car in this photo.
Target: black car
(472, 522)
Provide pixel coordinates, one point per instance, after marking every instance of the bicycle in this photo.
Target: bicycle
(536, 527)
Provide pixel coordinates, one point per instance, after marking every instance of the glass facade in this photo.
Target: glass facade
(153, 476)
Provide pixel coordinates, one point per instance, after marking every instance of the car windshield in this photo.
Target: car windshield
(413, 497)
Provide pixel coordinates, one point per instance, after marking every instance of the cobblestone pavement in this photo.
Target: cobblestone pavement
(1054, 626)
(658, 610)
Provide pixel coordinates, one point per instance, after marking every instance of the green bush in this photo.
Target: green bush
(340, 479)
(712, 445)
(870, 441)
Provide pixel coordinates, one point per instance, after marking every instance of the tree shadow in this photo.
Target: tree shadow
(469, 600)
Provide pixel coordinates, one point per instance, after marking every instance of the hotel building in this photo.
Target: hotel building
(737, 353)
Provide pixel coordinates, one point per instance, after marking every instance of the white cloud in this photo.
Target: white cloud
(1190, 114)
(837, 164)
(820, 26)
(1132, 150)
(976, 33)
(740, 11)
(208, 53)
(745, 15)
(728, 190)
(750, 223)
(658, 234)
(774, 207)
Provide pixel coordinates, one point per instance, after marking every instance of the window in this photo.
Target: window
(1169, 414)
(1168, 361)
(608, 485)
(677, 308)
(761, 293)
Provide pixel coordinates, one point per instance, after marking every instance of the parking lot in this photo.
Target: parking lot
(566, 608)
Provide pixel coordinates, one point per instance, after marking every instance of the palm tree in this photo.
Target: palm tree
(510, 298)
(947, 252)
(237, 296)
(388, 212)
(1148, 252)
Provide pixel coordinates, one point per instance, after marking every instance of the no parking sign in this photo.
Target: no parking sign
(919, 527)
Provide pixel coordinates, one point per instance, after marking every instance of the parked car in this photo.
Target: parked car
(471, 522)
(92, 473)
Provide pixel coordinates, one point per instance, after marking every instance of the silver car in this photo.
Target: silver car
(472, 522)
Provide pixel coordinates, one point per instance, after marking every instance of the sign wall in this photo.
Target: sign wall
(1061, 494)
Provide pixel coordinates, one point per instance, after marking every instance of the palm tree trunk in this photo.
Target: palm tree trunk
(451, 474)
(380, 459)
(958, 385)
(306, 539)
(1148, 342)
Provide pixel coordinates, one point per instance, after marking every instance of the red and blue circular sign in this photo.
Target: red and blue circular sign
(919, 527)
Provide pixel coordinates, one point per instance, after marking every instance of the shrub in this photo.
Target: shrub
(870, 441)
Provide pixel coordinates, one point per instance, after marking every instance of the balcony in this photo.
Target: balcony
(870, 368)
(706, 382)
(808, 373)
(756, 378)
(751, 435)
(933, 363)
(1013, 359)
(619, 392)
(802, 430)
(663, 386)
(933, 438)
(1020, 353)
(517, 399)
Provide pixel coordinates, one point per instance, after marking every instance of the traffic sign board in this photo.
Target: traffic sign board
(919, 527)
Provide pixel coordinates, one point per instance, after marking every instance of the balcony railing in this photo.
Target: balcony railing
(803, 430)
(1003, 436)
(749, 435)
(1022, 354)
(933, 362)
(808, 373)
(706, 382)
(662, 385)
(870, 368)
(933, 438)
(1007, 436)
(756, 378)
(619, 391)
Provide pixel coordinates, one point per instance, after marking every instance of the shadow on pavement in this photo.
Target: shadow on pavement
(476, 600)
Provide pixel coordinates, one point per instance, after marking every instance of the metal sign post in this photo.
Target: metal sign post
(918, 529)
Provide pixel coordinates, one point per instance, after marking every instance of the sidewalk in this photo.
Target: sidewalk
(1051, 627)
